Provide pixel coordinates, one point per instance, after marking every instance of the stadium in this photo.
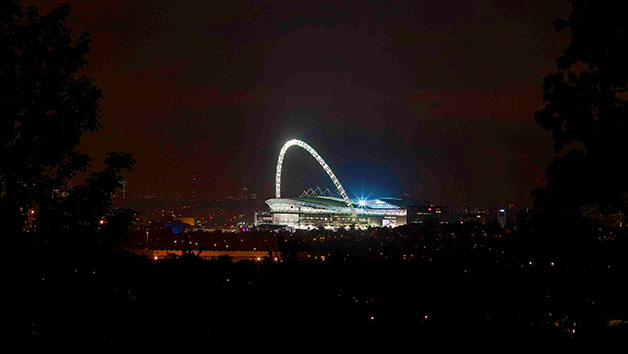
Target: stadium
(331, 212)
(313, 210)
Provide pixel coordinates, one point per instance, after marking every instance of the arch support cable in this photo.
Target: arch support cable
(296, 142)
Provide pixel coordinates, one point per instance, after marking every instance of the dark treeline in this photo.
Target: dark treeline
(558, 277)
(115, 297)
(474, 284)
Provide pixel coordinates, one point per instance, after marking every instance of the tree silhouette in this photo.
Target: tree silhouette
(585, 109)
(46, 104)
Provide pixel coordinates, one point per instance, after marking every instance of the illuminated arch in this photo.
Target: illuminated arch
(320, 160)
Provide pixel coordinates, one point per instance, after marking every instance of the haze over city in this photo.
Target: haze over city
(431, 99)
(320, 173)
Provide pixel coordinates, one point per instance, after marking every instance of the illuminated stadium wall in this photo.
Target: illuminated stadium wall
(330, 212)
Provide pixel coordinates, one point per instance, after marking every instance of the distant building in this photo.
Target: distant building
(420, 212)
(331, 212)
(501, 217)
(185, 220)
(262, 218)
(244, 193)
(479, 215)
(176, 227)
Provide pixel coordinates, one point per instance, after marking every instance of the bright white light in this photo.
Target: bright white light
(320, 161)
(361, 203)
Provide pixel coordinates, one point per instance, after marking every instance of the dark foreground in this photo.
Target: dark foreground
(114, 298)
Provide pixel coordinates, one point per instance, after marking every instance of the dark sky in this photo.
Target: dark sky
(434, 98)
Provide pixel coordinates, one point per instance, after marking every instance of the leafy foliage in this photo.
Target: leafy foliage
(47, 104)
(585, 105)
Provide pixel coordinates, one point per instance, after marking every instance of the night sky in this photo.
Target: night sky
(435, 99)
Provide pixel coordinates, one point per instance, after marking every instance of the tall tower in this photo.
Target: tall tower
(194, 191)
(244, 193)
(501, 217)
(123, 183)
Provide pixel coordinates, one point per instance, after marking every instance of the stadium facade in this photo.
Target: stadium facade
(331, 212)
(313, 211)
